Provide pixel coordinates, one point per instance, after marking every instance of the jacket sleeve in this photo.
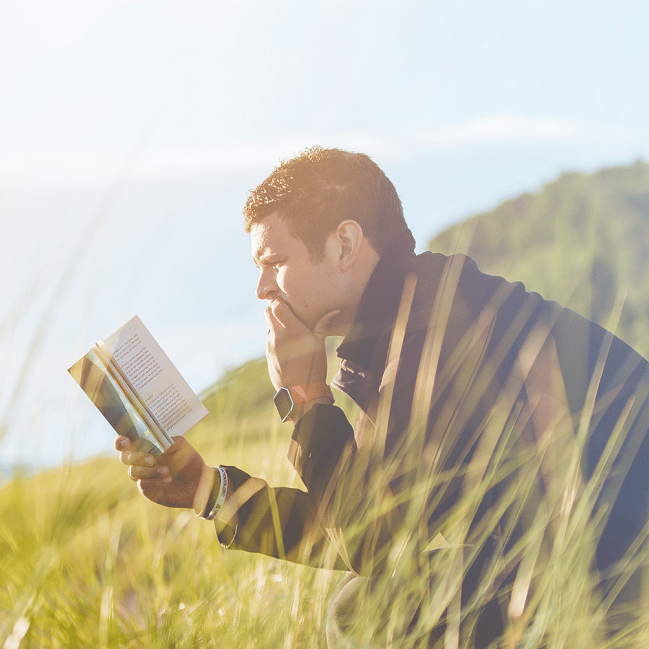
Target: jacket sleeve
(325, 526)
(353, 493)
(277, 522)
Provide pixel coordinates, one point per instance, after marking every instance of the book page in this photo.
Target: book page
(160, 386)
(92, 376)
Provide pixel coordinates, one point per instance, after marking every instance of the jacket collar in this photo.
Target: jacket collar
(378, 306)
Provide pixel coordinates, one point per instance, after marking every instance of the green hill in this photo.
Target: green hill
(582, 240)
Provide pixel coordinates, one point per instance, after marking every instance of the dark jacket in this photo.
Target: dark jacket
(475, 395)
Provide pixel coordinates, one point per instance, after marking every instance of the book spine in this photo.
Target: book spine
(115, 371)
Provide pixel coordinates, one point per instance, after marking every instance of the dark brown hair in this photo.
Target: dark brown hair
(320, 188)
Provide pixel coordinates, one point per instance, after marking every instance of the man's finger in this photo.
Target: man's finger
(279, 312)
(148, 486)
(136, 473)
(320, 328)
(136, 458)
(122, 443)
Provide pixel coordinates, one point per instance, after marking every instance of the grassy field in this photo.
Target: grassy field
(85, 561)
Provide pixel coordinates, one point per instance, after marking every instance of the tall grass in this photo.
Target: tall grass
(85, 561)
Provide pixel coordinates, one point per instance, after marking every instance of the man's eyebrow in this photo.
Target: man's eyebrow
(257, 256)
(265, 258)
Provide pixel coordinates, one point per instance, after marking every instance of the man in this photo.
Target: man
(498, 432)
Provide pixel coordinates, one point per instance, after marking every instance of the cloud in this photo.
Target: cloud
(42, 24)
(503, 129)
(530, 130)
(54, 167)
(74, 166)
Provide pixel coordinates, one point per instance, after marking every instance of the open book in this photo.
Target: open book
(138, 389)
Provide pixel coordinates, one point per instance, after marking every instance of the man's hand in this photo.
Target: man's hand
(170, 479)
(296, 354)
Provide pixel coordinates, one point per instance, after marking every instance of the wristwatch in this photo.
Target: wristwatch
(287, 398)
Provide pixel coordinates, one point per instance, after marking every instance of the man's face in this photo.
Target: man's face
(287, 273)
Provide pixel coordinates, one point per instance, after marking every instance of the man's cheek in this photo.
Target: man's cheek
(301, 311)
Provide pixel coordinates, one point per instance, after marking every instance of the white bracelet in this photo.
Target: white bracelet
(220, 499)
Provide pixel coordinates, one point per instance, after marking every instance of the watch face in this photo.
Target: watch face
(283, 403)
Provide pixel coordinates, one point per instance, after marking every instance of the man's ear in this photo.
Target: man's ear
(349, 235)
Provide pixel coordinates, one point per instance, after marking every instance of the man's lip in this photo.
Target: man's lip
(276, 301)
(279, 300)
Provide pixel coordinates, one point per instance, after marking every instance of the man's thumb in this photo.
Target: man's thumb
(320, 328)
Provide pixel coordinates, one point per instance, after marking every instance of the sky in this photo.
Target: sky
(206, 85)
(131, 130)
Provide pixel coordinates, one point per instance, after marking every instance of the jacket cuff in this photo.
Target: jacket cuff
(318, 440)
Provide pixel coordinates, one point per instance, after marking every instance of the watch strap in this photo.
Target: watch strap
(304, 393)
(287, 398)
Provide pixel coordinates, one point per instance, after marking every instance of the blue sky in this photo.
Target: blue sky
(201, 85)
(130, 132)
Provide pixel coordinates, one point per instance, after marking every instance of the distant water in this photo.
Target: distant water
(8, 471)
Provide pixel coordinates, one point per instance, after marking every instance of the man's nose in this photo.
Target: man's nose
(266, 285)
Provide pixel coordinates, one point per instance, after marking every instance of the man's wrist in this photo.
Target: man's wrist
(204, 489)
(291, 403)
(226, 522)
